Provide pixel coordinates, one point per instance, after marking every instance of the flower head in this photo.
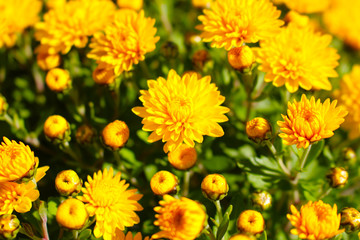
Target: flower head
(251, 222)
(85, 134)
(350, 219)
(338, 177)
(67, 182)
(107, 197)
(56, 127)
(9, 226)
(181, 109)
(241, 237)
(308, 121)
(120, 235)
(72, 214)
(17, 161)
(201, 3)
(307, 6)
(261, 199)
(230, 23)
(164, 182)
(115, 134)
(58, 79)
(258, 129)
(214, 187)
(298, 57)
(241, 58)
(316, 220)
(179, 219)
(183, 158)
(124, 42)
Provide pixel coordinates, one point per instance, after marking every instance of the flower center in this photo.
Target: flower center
(105, 194)
(180, 109)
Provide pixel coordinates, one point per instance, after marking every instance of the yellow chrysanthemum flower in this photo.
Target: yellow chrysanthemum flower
(58, 79)
(181, 109)
(179, 219)
(214, 187)
(298, 57)
(17, 161)
(230, 23)
(16, 15)
(115, 134)
(306, 6)
(343, 20)
(251, 222)
(309, 121)
(183, 158)
(164, 182)
(67, 182)
(125, 42)
(348, 96)
(72, 23)
(107, 197)
(72, 214)
(19, 197)
(316, 220)
(120, 235)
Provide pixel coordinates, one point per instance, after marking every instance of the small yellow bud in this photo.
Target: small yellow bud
(338, 177)
(296, 18)
(251, 222)
(72, 214)
(57, 128)
(241, 237)
(261, 199)
(48, 61)
(58, 80)
(9, 226)
(350, 219)
(201, 3)
(214, 187)
(164, 182)
(115, 134)
(67, 183)
(3, 105)
(133, 4)
(169, 49)
(85, 134)
(258, 129)
(183, 158)
(103, 75)
(349, 155)
(241, 58)
(200, 58)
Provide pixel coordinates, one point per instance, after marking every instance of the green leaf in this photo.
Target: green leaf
(150, 170)
(224, 224)
(85, 234)
(315, 151)
(219, 164)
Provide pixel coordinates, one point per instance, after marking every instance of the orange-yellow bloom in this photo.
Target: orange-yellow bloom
(179, 219)
(181, 109)
(107, 197)
(72, 214)
(298, 57)
(309, 121)
(251, 222)
(214, 187)
(230, 23)
(58, 79)
(17, 161)
(183, 158)
(164, 182)
(115, 134)
(124, 42)
(120, 235)
(316, 220)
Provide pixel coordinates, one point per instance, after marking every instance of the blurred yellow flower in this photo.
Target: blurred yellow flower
(251, 222)
(183, 158)
(124, 42)
(241, 237)
(307, 6)
(3, 105)
(348, 96)
(308, 121)
(133, 4)
(181, 109)
(107, 197)
(316, 220)
(120, 235)
(164, 182)
(343, 20)
(201, 3)
(72, 23)
(17, 161)
(298, 57)
(16, 15)
(115, 134)
(55, 3)
(103, 75)
(58, 80)
(179, 219)
(72, 214)
(230, 23)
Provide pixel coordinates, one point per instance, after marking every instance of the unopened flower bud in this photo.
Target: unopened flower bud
(133, 4)
(183, 158)
(85, 134)
(9, 226)
(3, 105)
(261, 199)
(251, 222)
(57, 129)
(214, 187)
(67, 183)
(200, 58)
(241, 58)
(241, 237)
(169, 50)
(48, 61)
(258, 129)
(338, 177)
(349, 155)
(58, 80)
(71, 214)
(296, 18)
(115, 135)
(103, 76)
(350, 219)
(164, 182)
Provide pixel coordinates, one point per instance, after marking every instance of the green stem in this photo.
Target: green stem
(186, 184)
(302, 163)
(278, 158)
(210, 233)
(75, 234)
(218, 210)
(265, 235)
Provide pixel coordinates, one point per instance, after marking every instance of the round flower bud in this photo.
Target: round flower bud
(251, 222)
(57, 128)
(201, 3)
(103, 75)
(214, 187)
(115, 134)
(241, 237)
(350, 219)
(241, 58)
(200, 58)
(164, 182)
(258, 129)
(58, 80)
(296, 18)
(67, 183)
(261, 199)
(72, 214)
(9, 226)
(169, 50)
(183, 158)
(133, 4)
(48, 61)
(338, 177)
(349, 155)
(85, 134)
(3, 105)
